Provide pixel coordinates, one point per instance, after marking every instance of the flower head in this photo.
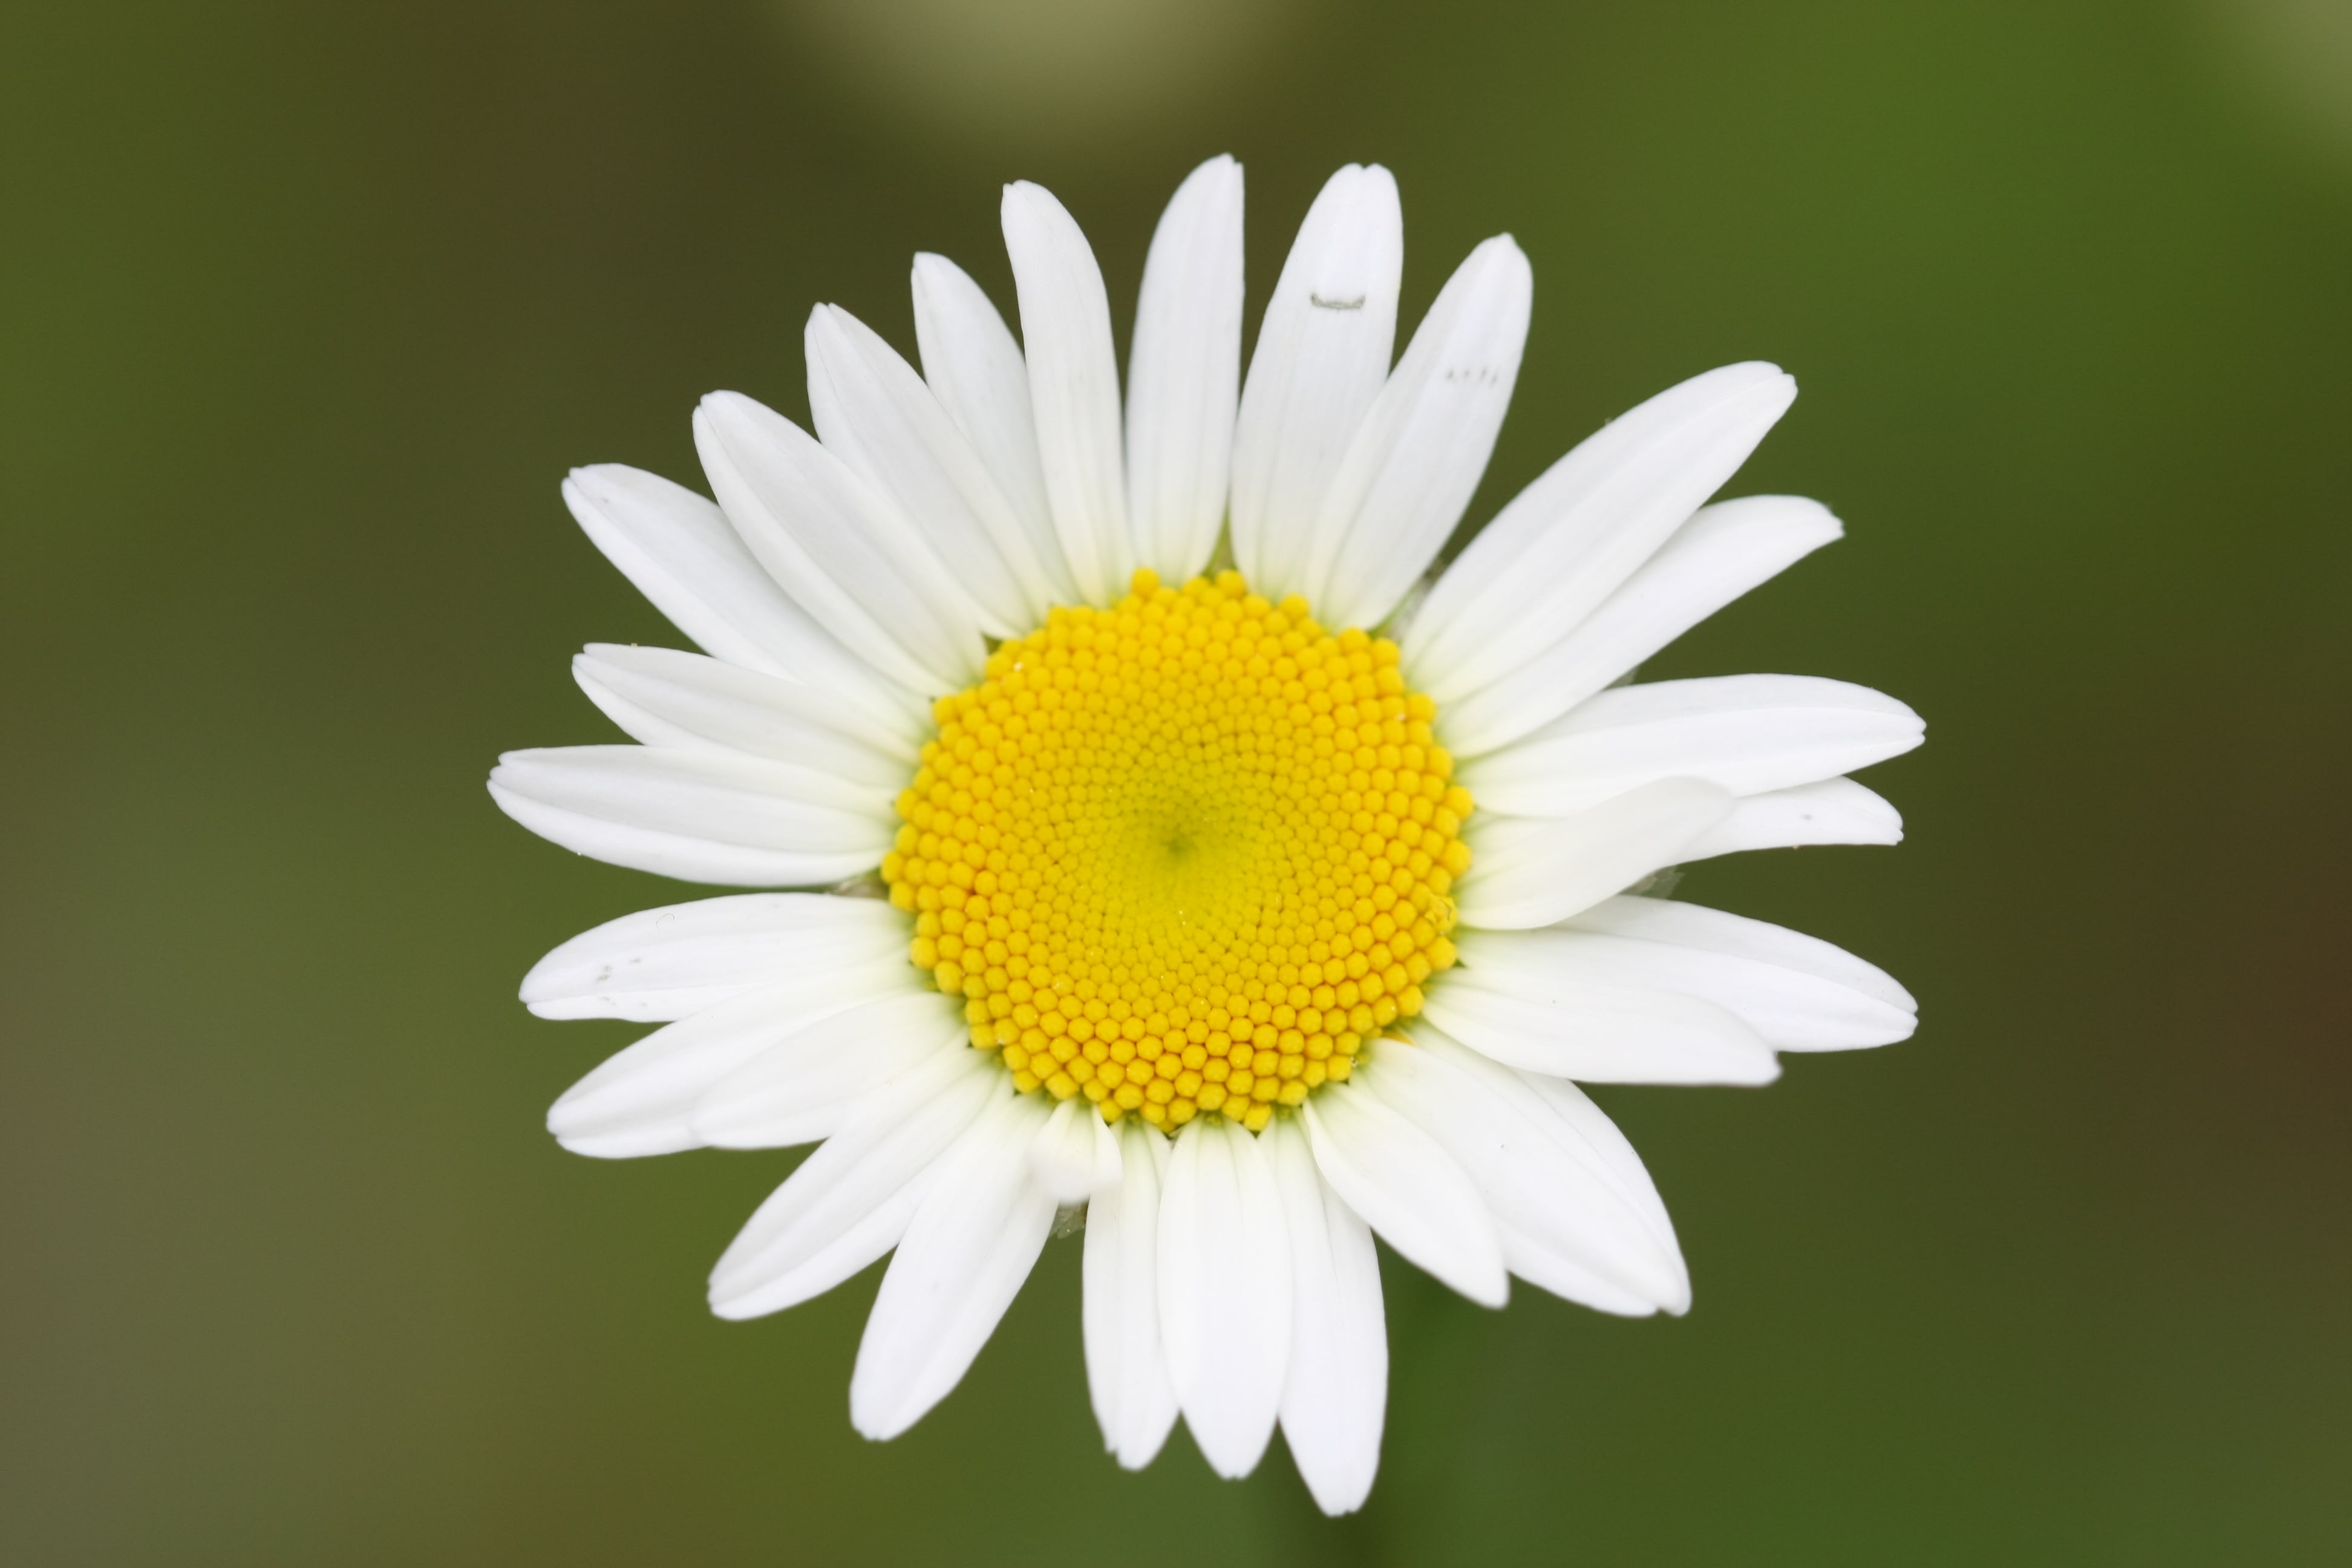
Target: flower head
(1228, 886)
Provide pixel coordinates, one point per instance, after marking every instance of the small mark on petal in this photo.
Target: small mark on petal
(1320, 303)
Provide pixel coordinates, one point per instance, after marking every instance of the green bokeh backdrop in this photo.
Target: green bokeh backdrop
(304, 310)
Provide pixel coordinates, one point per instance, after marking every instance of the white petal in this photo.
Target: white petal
(1225, 1291)
(1184, 373)
(1720, 553)
(1066, 1158)
(850, 1202)
(1838, 811)
(1073, 387)
(965, 1254)
(1581, 1119)
(701, 816)
(1511, 1002)
(798, 1089)
(1586, 1242)
(1420, 451)
(1407, 1187)
(687, 702)
(974, 367)
(1694, 926)
(1798, 993)
(1336, 1395)
(841, 548)
(1110, 1161)
(1746, 733)
(659, 965)
(1566, 1226)
(1127, 1368)
(1530, 872)
(688, 560)
(1322, 355)
(874, 411)
(1570, 539)
(641, 1100)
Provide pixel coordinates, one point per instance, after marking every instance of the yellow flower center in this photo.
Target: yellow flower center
(1183, 854)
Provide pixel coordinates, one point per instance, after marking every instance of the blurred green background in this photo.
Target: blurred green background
(305, 310)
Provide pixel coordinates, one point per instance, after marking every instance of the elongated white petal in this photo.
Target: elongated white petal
(688, 560)
(1533, 871)
(1424, 444)
(797, 1090)
(1126, 1367)
(1224, 1292)
(1073, 387)
(1321, 358)
(841, 548)
(641, 1100)
(1509, 1003)
(1672, 922)
(1796, 993)
(1110, 1167)
(974, 366)
(1565, 1224)
(701, 816)
(1572, 538)
(971, 1243)
(850, 1202)
(664, 963)
(1407, 1187)
(1580, 1215)
(1746, 734)
(1838, 811)
(1067, 1158)
(1580, 1118)
(1184, 373)
(1335, 1397)
(1720, 553)
(876, 414)
(685, 702)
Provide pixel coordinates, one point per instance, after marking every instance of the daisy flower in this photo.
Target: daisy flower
(1167, 846)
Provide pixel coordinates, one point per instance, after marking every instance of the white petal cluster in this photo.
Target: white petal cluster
(845, 578)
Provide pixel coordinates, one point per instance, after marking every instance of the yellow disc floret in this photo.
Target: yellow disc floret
(1183, 854)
